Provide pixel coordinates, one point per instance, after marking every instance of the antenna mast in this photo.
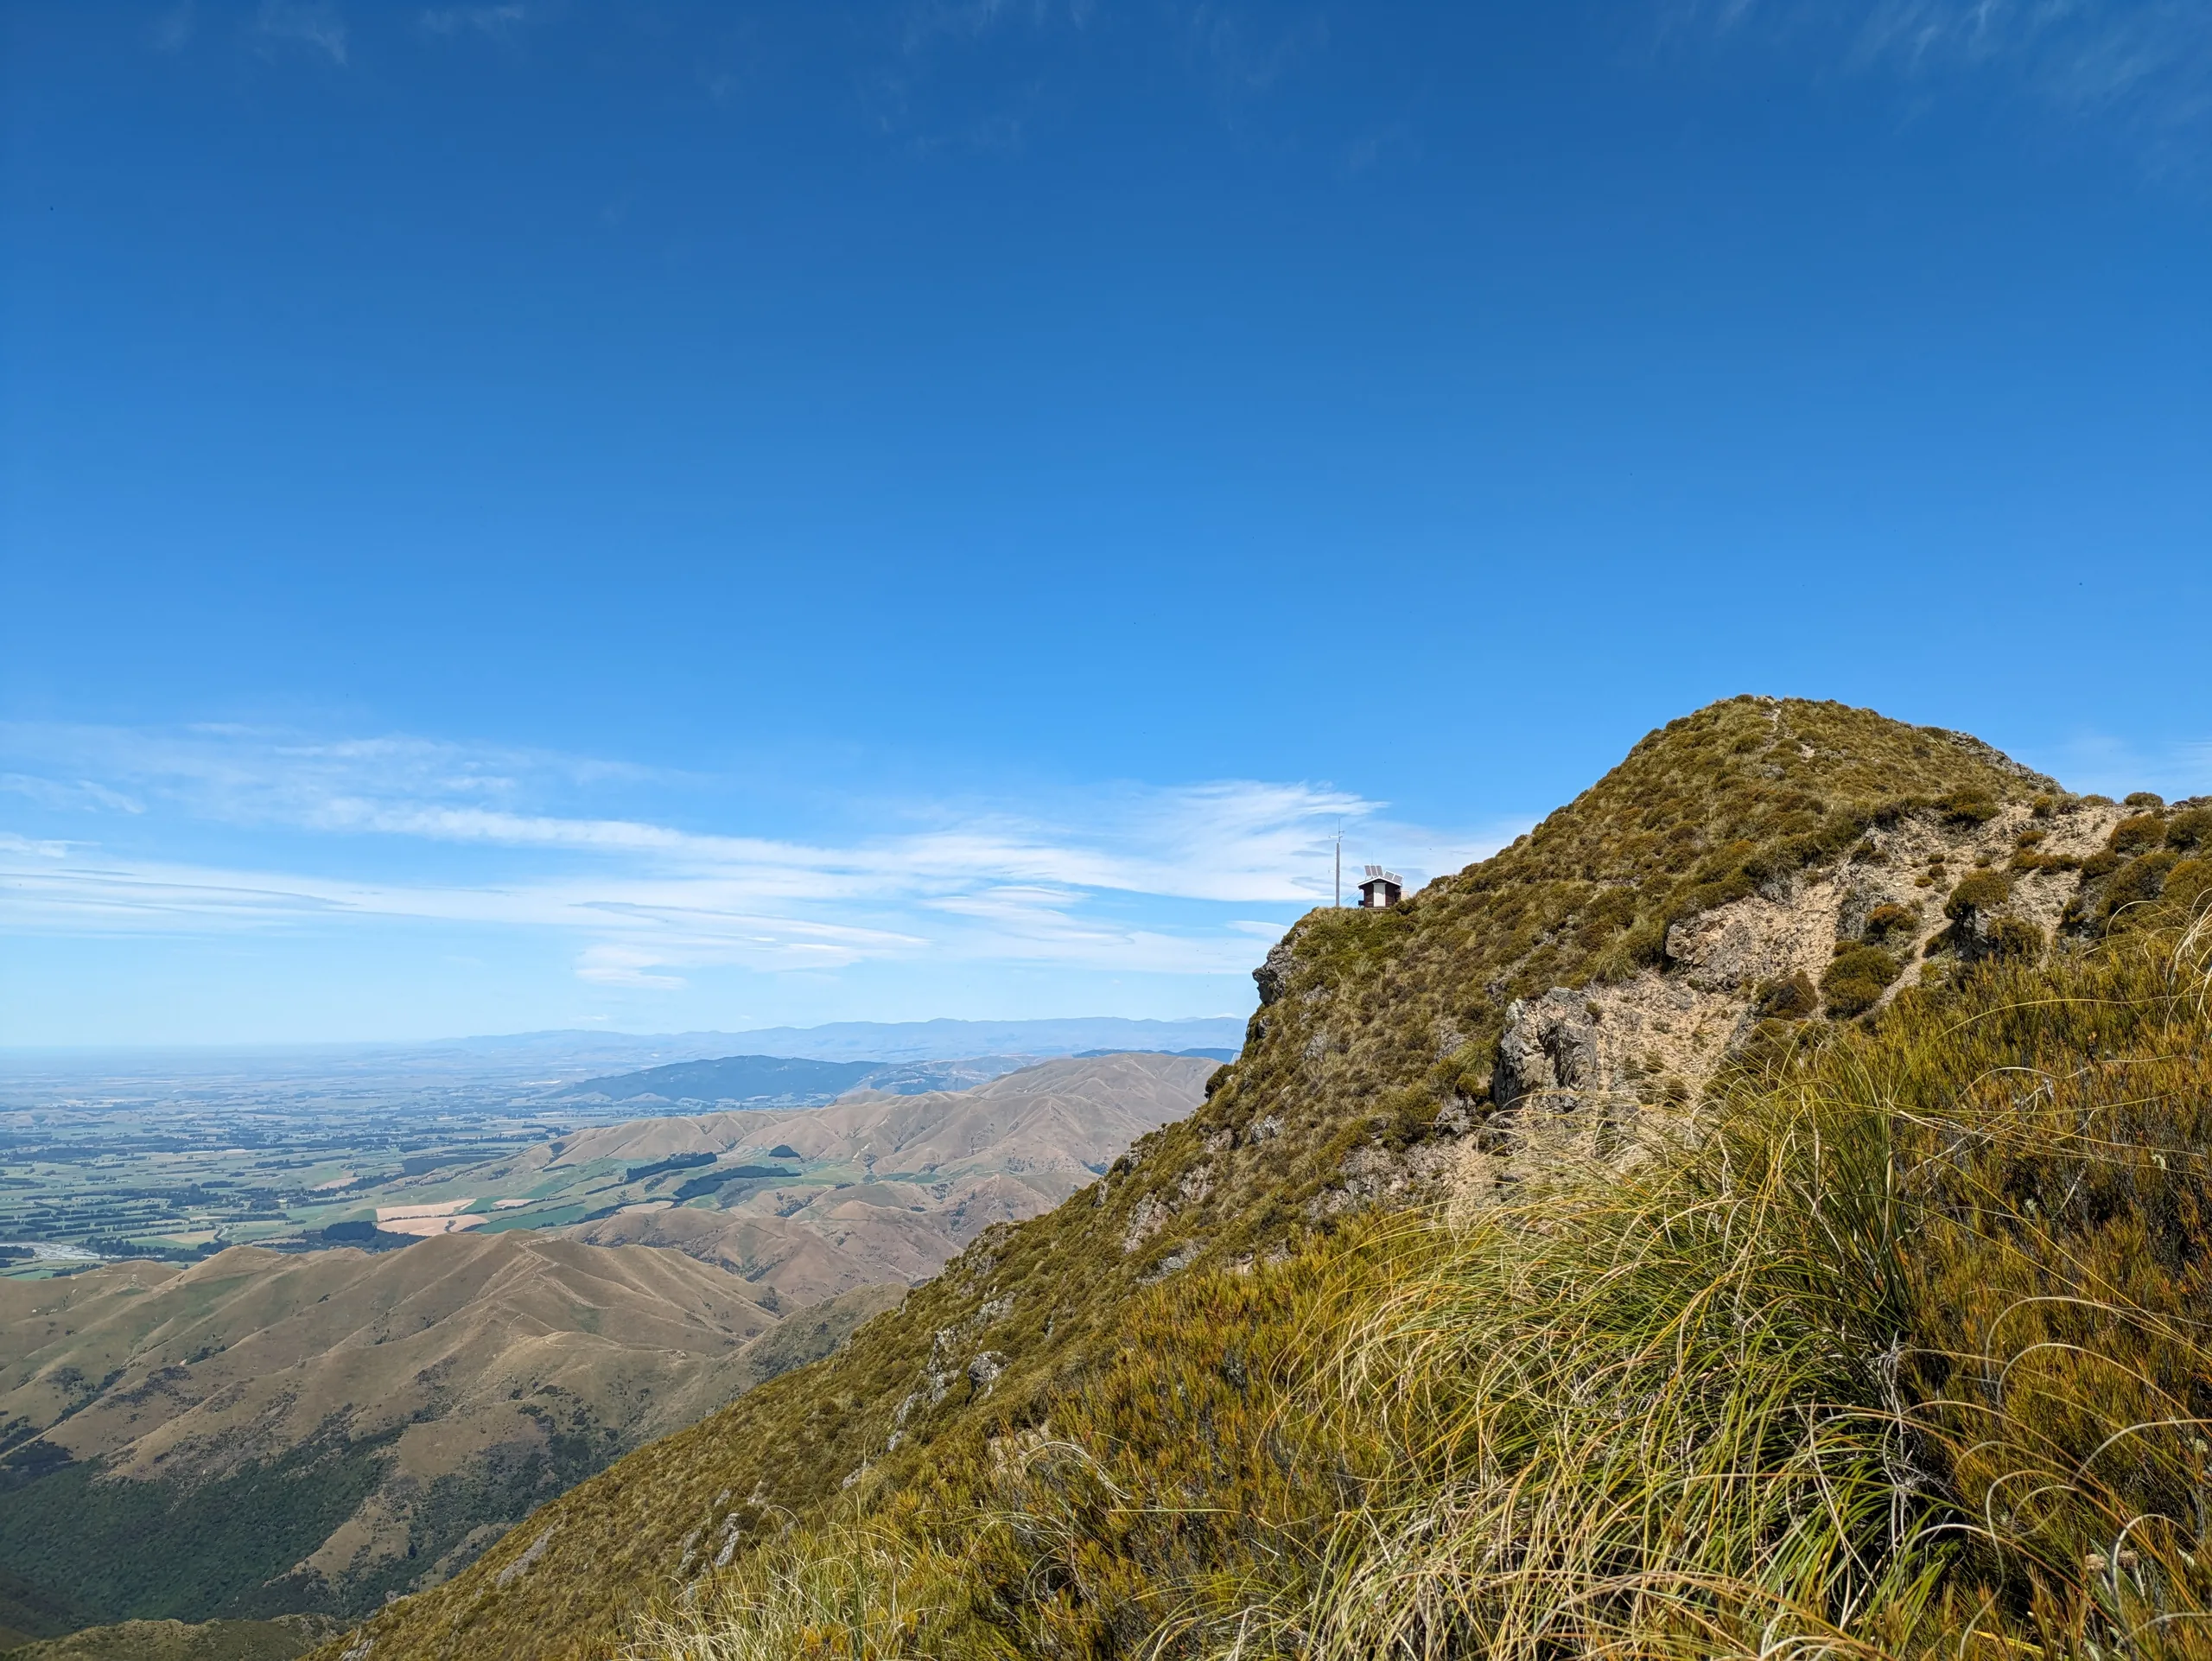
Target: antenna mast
(1340, 868)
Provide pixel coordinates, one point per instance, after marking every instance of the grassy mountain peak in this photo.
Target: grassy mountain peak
(1365, 1083)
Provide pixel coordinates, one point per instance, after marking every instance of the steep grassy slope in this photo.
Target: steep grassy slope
(1366, 1078)
(1903, 1358)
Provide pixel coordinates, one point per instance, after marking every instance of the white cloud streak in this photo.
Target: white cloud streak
(480, 19)
(314, 24)
(1130, 878)
(66, 795)
(2146, 62)
(171, 31)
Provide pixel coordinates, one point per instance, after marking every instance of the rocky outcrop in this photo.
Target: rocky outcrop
(1601, 1072)
(1273, 975)
(1549, 1052)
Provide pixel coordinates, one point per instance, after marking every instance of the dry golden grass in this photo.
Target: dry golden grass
(1907, 1358)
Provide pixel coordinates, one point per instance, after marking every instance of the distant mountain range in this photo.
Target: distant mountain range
(880, 1042)
(778, 1081)
(940, 1041)
(731, 1079)
(30, 1077)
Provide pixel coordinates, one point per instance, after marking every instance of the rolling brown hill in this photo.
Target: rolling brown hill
(930, 1172)
(315, 1431)
(410, 1401)
(1070, 1115)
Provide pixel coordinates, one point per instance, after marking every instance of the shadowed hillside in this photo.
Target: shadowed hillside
(175, 1641)
(1758, 864)
(314, 1429)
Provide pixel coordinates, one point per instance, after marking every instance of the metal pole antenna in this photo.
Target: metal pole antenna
(1340, 868)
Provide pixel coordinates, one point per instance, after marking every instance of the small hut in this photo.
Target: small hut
(1381, 889)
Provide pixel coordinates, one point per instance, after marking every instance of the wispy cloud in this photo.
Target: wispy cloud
(973, 19)
(314, 24)
(477, 20)
(67, 795)
(1369, 149)
(255, 775)
(1130, 877)
(1247, 51)
(171, 30)
(2148, 62)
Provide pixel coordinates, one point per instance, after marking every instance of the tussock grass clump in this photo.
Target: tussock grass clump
(1855, 981)
(1909, 1357)
(1969, 806)
(1984, 891)
(2013, 937)
(1889, 920)
(2134, 836)
(1651, 1420)
(1791, 997)
(848, 1590)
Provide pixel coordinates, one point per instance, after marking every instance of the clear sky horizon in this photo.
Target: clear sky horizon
(554, 514)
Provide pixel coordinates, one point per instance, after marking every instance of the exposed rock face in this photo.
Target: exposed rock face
(984, 1370)
(1549, 1051)
(1593, 1076)
(1602, 1073)
(1274, 974)
(1735, 947)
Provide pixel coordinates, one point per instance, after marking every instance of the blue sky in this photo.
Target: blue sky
(662, 517)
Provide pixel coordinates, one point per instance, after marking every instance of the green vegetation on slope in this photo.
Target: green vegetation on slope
(1371, 1051)
(1905, 1358)
(173, 1640)
(28, 1611)
(226, 1546)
